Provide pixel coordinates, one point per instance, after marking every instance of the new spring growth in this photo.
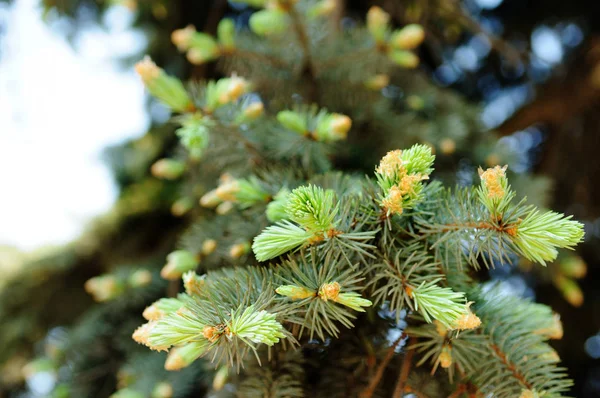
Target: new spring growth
(251, 112)
(445, 357)
(167, 89)
(182, 206)
(554, 330)
(400, 175)
(179, 262)
(139, 278)
(437, 303)
(408, 38)
(224, 91)
(239, 249)
(295, 292)
(104, 287)
(244, 192)
(378, 24)
(569, 289)
(313, 209)
(332, 291)
(160, 308)
(404, 59)
(255, 326)
(193, 283)
(494, 189)
(226, 34)
(276, 209)
(269, 22)
(538, 235)
(194, 134)
(167, 169)
(322, 9)
(183, 356)
(220, 378)
(377, 82)
(322, 126)
(200, 47)
(468, 320)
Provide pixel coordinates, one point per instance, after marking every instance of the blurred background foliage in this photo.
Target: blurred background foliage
(529, 68)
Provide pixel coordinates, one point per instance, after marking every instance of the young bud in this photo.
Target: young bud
(441, 330)
(140, 278)
(167, 169)
(391, 164)
(162, 389)
(570, 290)
(253, 111)
(573, 267)
(404, 59)
(181, 206)
(220, 378)
(295, 292)
(322, 8)
(378, 23)
(293, 121)
(231, 89)
(447, 146)
(167, 89)
(468, 320)
(493, 181)
(226, 33)
(194, 134)
(183, 356)
(183, 37)
(208, 247)
(445, 357)
(329, 291)
(148, 70)
(393, 201)
(211, 333)
(104, 287)
(353, 300)
(333, 127)
(255, 326)
(179, 262)
(276, 209)
(224, 208)
(269, 22)
(160, 308)
(238, 250)
(210, 199)
(377, 82)
(193, 283)
(554, 331)
(408, 38)
(141, 335)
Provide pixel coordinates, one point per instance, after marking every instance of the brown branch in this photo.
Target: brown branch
(370, 389)
(405, 371)
(511, 367)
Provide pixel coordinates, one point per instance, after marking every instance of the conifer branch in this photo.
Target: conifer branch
(405, 370)
(372, 386)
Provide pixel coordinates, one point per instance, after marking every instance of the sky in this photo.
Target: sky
(60, 105)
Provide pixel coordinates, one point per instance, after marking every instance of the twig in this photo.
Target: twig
(405, 371)
(368, 392)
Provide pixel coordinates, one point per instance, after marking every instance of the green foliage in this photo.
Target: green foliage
(375, 270)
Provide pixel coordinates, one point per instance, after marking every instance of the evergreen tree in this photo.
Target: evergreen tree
(319, 253)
